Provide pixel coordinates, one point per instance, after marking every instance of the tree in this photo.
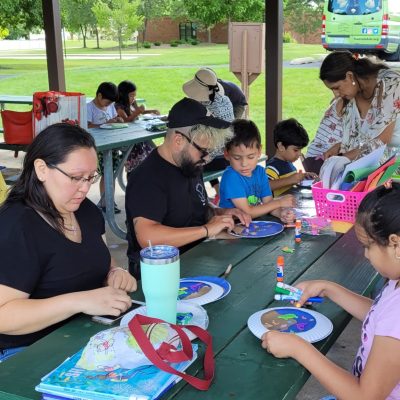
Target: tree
(151, 9)
(210, 12)
(77, 16)
(24, 14)
(303, 16)
(119, 19)
(4, 32)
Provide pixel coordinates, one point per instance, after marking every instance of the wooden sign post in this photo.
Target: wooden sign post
(247, 53)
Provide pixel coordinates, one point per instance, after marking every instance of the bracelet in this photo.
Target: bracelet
(205, 227)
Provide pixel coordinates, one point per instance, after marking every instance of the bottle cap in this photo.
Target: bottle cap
(280, 260)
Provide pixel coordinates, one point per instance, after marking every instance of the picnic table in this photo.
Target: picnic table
(106, 141)
(243, 369)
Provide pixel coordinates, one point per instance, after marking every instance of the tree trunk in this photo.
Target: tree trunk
(83, 36)
(97, 38)
(144, 30)
(209, 34)
(120, 44)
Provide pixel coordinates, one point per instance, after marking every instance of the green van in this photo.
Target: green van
(363, 26)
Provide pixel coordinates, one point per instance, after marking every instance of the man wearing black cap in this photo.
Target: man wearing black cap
(166, 201)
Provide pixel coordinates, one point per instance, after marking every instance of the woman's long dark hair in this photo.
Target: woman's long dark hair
(379, 215)
(52, 145)
(124, 88)
(338, 63)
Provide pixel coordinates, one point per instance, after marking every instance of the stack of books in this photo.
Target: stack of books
(146, 382)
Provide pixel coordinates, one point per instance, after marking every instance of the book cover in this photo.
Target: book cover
(146, 382)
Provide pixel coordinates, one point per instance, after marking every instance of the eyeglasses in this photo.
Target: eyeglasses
(79, 181)
(203, 151)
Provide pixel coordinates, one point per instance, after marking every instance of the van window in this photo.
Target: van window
(354, 7)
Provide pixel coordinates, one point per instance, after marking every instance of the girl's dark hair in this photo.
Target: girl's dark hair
(338, 63)
(124, 88)
(378, 213)
(244, 132)
(52, 145)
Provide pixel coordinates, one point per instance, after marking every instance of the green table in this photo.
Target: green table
(106, 141)
(243, 369)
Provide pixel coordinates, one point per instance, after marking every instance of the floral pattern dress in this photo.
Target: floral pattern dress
(353, 131)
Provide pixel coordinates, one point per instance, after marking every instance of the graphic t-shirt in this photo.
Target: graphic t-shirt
(158, 190)
(97, 116)
(236, 186)
(381, 320)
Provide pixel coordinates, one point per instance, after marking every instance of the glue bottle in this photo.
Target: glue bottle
(297, 231)
(280, 263)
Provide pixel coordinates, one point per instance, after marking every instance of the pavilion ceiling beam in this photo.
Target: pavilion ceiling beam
(54, 50)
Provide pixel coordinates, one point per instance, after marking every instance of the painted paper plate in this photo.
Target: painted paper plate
(114, 125)
(257, 229)
(188, 314)
(226, 286)
(308, 324)
(199, 291)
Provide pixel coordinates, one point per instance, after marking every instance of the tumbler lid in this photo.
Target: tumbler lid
(159, 254)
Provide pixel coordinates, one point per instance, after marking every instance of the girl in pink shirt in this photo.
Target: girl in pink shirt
(376, 369)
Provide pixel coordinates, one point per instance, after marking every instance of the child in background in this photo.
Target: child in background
(244, 184)
(128, 109)
(289, 138)
(100, 111)
(376, 368)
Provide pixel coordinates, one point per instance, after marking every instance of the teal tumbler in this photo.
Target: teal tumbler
(160, 271)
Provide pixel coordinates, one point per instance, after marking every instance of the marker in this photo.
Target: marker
(293, 298)
(288, 293)
(291, 289)
(280, 264)
(297, 231)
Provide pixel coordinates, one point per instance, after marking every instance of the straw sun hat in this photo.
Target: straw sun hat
(203, 86)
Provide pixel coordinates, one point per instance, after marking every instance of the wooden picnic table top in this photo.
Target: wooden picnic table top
(243, 369)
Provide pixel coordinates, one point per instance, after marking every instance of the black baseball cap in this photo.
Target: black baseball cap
(189, 112)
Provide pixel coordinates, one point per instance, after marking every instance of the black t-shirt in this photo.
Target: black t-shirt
(157, 190)
(233, 91)
(38, 260)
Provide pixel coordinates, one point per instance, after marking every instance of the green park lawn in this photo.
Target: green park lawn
(159, 73)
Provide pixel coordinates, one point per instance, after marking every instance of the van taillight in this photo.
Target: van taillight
(385, 25)
(323, 26)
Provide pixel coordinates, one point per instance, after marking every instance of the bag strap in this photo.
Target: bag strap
(169, 353)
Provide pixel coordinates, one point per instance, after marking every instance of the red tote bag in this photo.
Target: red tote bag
(18, 126)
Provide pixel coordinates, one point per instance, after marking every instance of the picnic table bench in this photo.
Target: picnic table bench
(243, 369)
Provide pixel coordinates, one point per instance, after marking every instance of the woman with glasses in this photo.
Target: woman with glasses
(54, 260)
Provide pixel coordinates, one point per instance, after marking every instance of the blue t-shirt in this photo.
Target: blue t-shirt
(235, 186)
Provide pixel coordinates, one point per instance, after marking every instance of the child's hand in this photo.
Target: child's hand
(279, 344)
(141, 109)
(287, 201)
(311, 175)
(311, 289)
(287, 215)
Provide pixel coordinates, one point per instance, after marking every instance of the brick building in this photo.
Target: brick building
(165, 29)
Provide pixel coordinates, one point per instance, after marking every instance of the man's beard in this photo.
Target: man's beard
(191, 169)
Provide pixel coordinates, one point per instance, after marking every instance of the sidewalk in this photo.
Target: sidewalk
(342, 352)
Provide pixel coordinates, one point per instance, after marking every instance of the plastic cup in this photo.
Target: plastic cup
(160, 271)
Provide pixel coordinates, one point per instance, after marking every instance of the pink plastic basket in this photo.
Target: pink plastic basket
(336, 204)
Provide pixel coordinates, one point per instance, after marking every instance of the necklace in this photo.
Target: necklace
(71, 227)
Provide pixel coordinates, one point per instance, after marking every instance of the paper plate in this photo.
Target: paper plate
(226, 286)
(199, 291)
(308, 324)
(114, 125)
(199, 318)
(257, 229)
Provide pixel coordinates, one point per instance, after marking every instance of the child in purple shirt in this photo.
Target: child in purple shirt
(376, 369)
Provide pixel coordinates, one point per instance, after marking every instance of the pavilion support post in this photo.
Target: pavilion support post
(54, 50)
(273, 69)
